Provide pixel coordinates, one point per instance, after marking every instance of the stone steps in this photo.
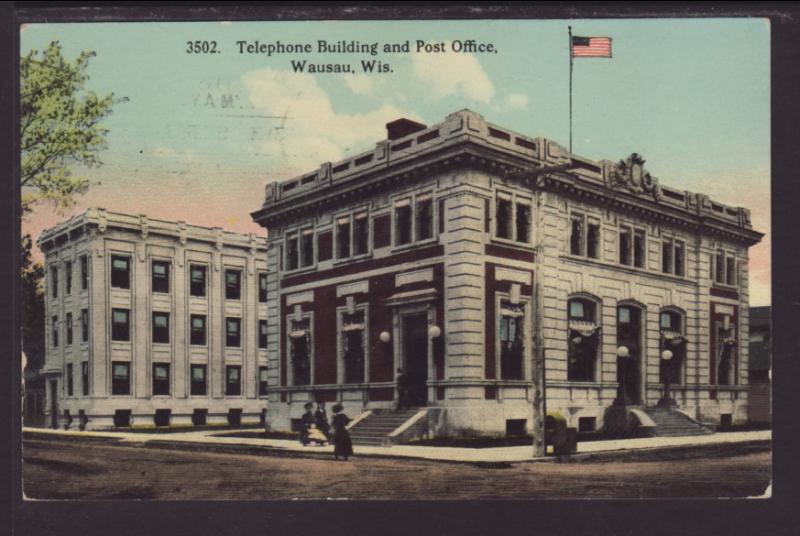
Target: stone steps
(673, 423)
(376, 428)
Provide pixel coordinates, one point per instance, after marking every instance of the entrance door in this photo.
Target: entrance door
(415, 357)
(629, 334)
(54, 403)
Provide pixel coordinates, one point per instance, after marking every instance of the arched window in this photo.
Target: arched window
(583, 339)
(673, 340)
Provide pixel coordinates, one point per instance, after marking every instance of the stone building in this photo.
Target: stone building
(488, 264)
(152, 322)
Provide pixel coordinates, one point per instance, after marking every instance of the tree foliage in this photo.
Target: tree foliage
(60, 126)
(32, 309)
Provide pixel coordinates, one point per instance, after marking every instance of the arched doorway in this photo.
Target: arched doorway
(629, 367)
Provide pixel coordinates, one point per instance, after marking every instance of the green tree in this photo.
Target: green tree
(32, 309)
(60, 126)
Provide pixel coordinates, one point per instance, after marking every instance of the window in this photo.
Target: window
(673, 257)
(160, 378)
(299, 249)
(68, 322)
(121, 378)
(307, 248)
(584, 238)
(84, 325)
(352, 346)
(262, 381)
(593, 240)
(68, 278)
(54, 281)
(197, 335)
(625, 246)
(292, 253)
(55, 331)
(719, 265)
(680, 263)
(85, 378)
(233, 338)
(413, 219)
(639, 247)
(512, 340)
(724, 268)
(666, 257)
(343, 238)
(672, 339)
(120, 272)
(584, 338)
(352, 236)
(513, 217)
(84, 272)
(632, 245)
(197, 280)
(424, 215)
(233, 284)
(160, 276)
(523, 220)
(262, 287)
(161, 327)
(576, 236)
(503, 216)
(120, 325)
(730, 271)
(402, 222)
(300, 348)
(198, 381)
(70, 391)
(262, 334)
(233, 383)
(361, 234)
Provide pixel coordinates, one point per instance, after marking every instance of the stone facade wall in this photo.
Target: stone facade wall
(101, 351)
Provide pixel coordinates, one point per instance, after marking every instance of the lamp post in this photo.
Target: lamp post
(622, 359)
(666, 355)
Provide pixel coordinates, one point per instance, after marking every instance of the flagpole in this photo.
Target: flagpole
(569, 29)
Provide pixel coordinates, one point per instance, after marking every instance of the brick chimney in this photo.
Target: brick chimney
(403, 127)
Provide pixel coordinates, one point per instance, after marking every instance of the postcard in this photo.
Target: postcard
(396, 259)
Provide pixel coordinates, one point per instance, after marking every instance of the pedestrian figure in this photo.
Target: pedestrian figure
(306, 422)
(402, 389)
(343, 445)
(321, 420)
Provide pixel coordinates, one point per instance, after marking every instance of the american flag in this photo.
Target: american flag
(591, 47)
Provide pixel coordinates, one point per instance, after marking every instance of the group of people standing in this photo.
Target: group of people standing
(314, 426)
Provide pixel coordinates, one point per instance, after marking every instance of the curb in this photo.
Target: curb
(642, 454)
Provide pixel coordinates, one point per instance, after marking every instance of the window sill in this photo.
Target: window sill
(631, 269)
(417, 244)
(527, 246)
(298, 271)
(352, 258)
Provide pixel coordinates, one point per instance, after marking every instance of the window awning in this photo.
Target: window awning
(670, 335)
(586, 329)
(512, 310)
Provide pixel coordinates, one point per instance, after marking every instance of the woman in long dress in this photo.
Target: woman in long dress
(343, 445)
(306, 422)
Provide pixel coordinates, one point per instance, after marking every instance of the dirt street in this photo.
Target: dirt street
(93, 470)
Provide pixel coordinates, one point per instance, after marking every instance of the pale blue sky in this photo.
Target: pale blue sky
(690, 95)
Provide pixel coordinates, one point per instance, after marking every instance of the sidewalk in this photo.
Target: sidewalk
(208, 440)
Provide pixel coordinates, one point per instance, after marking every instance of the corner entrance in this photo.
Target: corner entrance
(415, 356)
